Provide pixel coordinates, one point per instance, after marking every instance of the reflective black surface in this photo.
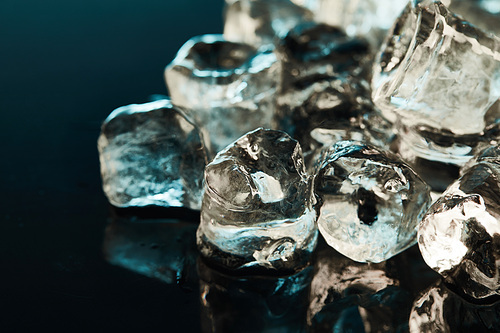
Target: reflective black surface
(65, 66)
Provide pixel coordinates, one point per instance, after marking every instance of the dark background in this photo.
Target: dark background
(64, 66)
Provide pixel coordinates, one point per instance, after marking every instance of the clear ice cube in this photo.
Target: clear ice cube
(321, 112)
(152, 154)
(325, 95)
(312, 51)
(437, 70)
(229, 88)
(261, 22)
(256, 211)
(370, 202)
(438, 78)
(459, 237)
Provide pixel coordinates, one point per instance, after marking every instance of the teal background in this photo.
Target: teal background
(64, 66)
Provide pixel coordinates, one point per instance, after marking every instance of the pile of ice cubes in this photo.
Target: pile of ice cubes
(335, 116)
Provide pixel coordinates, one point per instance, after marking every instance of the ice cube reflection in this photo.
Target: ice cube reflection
(164, 249)
(256, 304)
(439, 309)
(347, 296)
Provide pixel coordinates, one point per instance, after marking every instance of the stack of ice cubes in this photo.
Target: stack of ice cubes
(336, 114)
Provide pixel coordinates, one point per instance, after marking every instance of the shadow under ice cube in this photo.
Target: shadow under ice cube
(256, 210)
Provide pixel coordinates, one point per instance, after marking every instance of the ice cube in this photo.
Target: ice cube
(152, 154)
(370, 201)
(325, 95)
(311, 51)
(367, 18)
(459, 237)
(229, 88)
(256, 210)
(261, 22)
(437, 70)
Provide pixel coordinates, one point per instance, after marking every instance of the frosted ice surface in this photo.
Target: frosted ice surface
(151, 154)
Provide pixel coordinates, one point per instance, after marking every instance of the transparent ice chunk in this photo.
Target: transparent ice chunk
(261, 22)
(370, 202)
(437, 70)
(322, 112)
(459, 237)
(229, 88)
(151, 154)
(310, 51)
(438, 78)
(325, 94)
(256, 211)
(322, 75)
